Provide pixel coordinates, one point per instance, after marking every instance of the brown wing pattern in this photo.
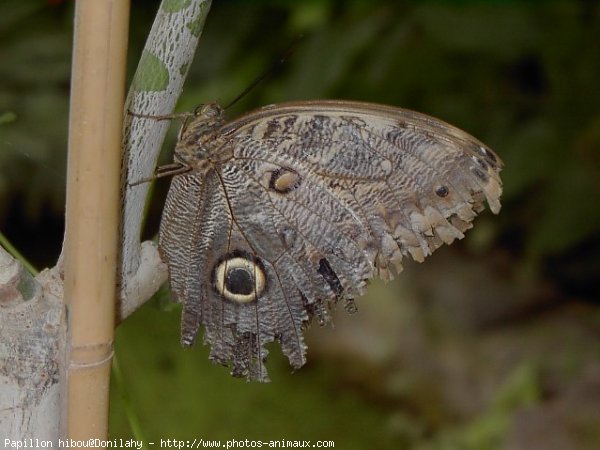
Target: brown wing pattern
(317, 198)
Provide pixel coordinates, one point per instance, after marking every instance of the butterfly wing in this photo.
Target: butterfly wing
(318, 198)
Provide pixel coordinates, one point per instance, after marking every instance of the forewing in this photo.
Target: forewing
(412, 181)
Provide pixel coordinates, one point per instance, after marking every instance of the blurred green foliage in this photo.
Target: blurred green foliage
(522, 388)
(521, 76)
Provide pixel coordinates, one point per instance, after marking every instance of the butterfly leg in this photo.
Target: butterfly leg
(180, 116)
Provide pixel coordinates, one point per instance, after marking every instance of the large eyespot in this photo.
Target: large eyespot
(284, 180)
(239, 277)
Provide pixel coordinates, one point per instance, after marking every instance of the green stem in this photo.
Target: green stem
(4, 242)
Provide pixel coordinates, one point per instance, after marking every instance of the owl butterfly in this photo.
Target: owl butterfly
(277, 215)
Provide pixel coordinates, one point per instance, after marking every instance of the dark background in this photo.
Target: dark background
(491, 344)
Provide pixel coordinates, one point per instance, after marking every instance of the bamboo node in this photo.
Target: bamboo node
(91, 355)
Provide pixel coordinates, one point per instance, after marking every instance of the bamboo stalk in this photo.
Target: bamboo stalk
(92, 210)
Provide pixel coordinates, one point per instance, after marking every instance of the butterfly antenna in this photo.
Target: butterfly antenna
(285, 55)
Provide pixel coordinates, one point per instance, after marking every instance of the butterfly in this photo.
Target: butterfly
(274, 217)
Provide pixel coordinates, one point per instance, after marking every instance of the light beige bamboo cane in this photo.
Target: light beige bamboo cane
(92, 212)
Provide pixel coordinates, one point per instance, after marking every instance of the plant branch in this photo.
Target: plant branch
(156, 86)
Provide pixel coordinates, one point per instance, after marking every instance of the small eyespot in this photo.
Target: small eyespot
(441, 191)
(239, 277)
(284, 180)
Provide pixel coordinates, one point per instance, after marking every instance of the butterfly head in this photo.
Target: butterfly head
(199, 133)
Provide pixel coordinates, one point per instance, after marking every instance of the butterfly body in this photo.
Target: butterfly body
(293, 207)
